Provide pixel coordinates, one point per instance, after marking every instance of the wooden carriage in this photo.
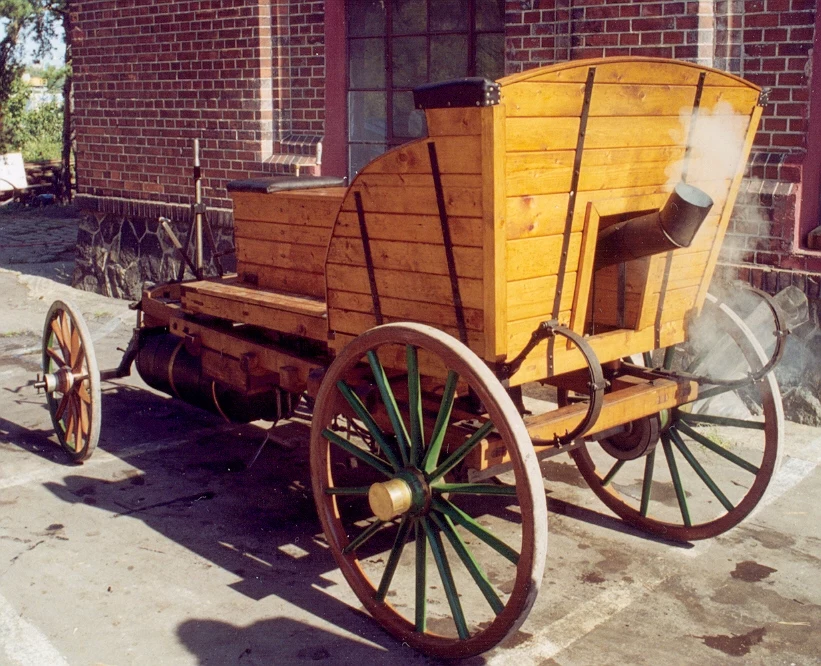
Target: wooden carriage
(453, 271)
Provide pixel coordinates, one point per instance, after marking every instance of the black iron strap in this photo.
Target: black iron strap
(366, 246)
(571, 208)
(448, 243)
(668, 263)
(696, 104)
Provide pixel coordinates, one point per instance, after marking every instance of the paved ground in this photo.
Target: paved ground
(167, 547)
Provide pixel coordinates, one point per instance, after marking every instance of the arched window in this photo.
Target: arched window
(395, 45)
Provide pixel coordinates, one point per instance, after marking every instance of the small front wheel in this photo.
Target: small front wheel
(447, 566)
(71, 381)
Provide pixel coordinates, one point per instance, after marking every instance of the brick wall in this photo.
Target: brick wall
(152, 76)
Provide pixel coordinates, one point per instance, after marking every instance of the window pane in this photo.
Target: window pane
(362, 153)
(408, 123)
(410, 66)
(490, 55)
(366, 18)
(410, 16)
(366, 63)
(367, 120)
(448, 57)
(490, 14)
(448, 15)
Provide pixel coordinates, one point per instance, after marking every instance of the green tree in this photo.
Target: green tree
(19, 19)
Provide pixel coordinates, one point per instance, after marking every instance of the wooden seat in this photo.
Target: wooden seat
(285, 312)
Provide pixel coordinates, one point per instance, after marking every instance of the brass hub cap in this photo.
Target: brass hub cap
(390, 498)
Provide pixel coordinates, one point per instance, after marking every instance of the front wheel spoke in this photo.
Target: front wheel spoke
(371, 425)
(421, 609)
(57, 329)
(363, 537)
(75, 343)
(706, 394)
(436, 547)
(471, 525)
(353, 490)
(716, 448)
(702, 473)
(476, 572)
(474, 489)
(680, 496)
(390, 405)
(647, 482)
(720, 420)
(417, 435)
(613, 471)
(393, 559)
(365, 456)
(82, 391)
(442, 420)
(81, 424)
(459, 455)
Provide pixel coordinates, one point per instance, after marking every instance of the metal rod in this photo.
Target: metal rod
(198, 261)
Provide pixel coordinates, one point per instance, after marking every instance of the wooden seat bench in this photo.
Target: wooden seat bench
(229, 298)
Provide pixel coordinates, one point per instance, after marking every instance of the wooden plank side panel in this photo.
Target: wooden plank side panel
(284, 279)
(630, 70)
(291, 234)
(307, 258)
(554, 99)
(466, 231)
(536, 257)
(461, 121)
(534, 134)
(412, 258)
(439, 315)
(420, 288)
(533, 297)
(315, 207)
(494, 191)
(456, 155)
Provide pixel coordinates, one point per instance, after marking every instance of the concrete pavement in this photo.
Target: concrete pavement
(167, 547)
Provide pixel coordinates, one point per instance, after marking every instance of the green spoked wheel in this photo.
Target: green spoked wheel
(696, 471)
(447, 566)
(71, 381)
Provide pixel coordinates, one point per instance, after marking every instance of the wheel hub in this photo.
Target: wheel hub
(408, 492)
(638, 438)
(61, 381)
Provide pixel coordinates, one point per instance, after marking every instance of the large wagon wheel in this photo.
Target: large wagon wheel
(716, 456)
(71, 381)
(449, 568)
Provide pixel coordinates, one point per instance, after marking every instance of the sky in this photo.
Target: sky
(55, 57)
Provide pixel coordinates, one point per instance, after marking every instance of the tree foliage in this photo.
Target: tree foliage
(22, 18)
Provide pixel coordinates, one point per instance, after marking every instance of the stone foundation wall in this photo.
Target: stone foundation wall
(121, 245)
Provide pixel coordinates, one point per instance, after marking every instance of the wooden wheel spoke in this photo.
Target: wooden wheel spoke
(417, 434)
(82, 392)
(353, 490)
(61, 407)
(393, 558)
(697, 467)
(375, 431)
(474, 489)
(65, 327)
(78, 361)
(57, 330)
(81, 423)
(674, 475)
(442, 420)
(716, 448)
(363, 536)
(459, 455)
(54, 356)
(612, 473)
(476, 571)
(720, 421)
(75, 345)
(365, 456)
(647, 482)
(70, 418)
(460, 517)
(391, 407)
(421, 564)
(446, 576)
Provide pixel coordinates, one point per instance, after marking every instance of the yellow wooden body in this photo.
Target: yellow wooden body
(506, 175)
